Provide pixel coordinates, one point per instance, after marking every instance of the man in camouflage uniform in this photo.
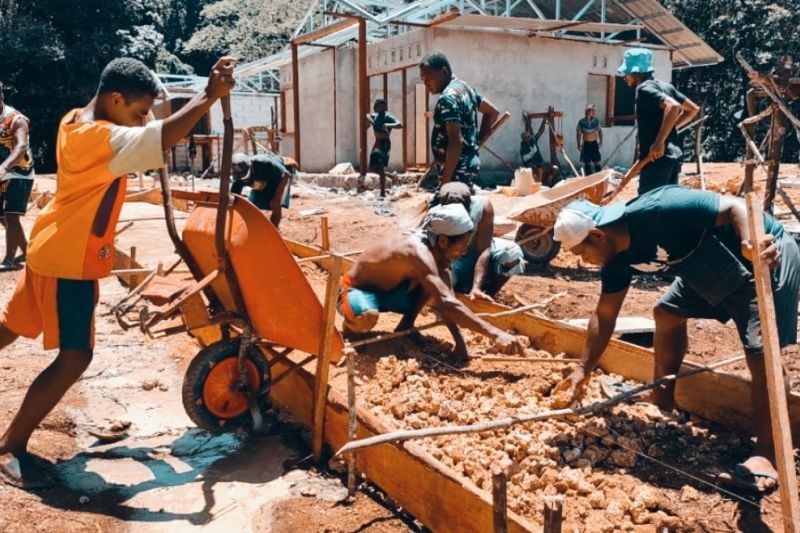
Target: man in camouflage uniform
(456, 136)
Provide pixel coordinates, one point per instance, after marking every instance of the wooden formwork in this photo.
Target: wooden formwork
(443, 499)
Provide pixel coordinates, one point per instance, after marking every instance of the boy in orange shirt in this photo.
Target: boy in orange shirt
(72, 242)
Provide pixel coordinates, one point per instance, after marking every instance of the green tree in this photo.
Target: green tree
(247, 29)
(763, 31)
(52, 53)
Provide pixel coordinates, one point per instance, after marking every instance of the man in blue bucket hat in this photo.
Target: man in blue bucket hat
(660, 111)
(703, 240)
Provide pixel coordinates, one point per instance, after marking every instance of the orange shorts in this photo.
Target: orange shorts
(62, 309)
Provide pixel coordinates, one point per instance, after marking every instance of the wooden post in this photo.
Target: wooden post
(363, 95)
(326, 239)
(296, 103)
(324, 355)
(404, 96)
(777, 137)
(553, 511)
(749, 169)
(779, 414)
(133, 279)
(698, 149)
(499, 502)
(351, 420)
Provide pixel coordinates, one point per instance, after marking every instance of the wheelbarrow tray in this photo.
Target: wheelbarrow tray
(541, 209)
(282, 306)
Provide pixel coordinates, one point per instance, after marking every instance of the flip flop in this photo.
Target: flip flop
(612, 387)
(10, 267)
(20, 259)
(740, 476)
(24, 473)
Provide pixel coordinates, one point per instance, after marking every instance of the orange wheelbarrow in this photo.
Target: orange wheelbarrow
(257, 309)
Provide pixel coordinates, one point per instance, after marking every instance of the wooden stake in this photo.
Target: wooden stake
(132, 279)
(326, 239)
(351, 421)
(553, 513)
(500, 502)
(324, 355)
(779, 414)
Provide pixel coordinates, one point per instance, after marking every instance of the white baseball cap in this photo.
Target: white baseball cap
(578, 218)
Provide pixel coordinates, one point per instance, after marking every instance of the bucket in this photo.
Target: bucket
(523, 180)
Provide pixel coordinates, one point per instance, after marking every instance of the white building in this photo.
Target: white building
(523, 55)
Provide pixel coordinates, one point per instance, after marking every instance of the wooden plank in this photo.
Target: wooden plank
(324, 356)
(625, 324)
(781, 431)
(720, 397)
(326, 239)
(325, 31)
(553, 514)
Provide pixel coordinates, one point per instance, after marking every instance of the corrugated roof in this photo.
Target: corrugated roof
(690, 49)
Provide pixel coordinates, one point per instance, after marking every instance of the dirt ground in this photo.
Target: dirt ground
(168, 475)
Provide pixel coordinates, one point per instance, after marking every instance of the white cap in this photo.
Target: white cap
(572, 227)
(450, 220)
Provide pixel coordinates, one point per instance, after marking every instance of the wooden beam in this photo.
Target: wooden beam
(324, 356)
(404, 93)
(363, 95)
(778, 408)
(324, 32)
(296, 102)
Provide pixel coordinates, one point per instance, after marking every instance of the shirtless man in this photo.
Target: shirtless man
(401, 274)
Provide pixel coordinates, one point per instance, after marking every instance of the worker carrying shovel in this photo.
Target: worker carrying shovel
(660, 111)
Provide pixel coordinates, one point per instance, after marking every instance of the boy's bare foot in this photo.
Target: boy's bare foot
(22, 471)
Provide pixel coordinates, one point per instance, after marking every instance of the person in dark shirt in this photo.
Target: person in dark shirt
(660, 111)
(269, 177)
(543, 172)
(382, 123)
(590, 140)
(703, 239)
(455, 137)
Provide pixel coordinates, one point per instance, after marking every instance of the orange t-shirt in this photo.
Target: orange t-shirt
(73, 236)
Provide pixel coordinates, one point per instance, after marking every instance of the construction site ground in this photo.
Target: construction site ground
(168, 475)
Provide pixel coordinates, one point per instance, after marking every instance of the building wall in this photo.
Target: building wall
(517, 73)
(528, 74)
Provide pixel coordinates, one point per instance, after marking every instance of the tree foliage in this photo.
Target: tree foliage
(763, 31)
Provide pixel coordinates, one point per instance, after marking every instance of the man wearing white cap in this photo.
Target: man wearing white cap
(402, 273)
(702, 238)
(660, 111)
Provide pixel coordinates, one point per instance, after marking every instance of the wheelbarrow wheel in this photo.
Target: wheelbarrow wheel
(209, 395)
(540, 250)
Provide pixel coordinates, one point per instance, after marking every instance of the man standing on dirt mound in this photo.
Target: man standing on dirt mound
(403, 273)
(455, 137)
(703, 239)
(72, 241)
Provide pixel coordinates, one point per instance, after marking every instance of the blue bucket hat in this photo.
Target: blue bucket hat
(636, 60)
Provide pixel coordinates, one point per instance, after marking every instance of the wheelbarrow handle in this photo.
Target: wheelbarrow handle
(634, 171)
